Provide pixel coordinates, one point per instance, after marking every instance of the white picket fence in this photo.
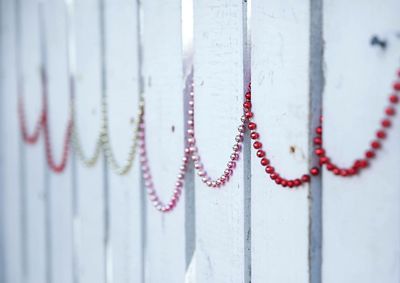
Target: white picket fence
(90, 225)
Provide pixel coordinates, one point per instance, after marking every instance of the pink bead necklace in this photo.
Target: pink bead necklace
(324, 160)
(191, 151)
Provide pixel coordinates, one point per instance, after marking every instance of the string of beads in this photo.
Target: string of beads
(324, 160)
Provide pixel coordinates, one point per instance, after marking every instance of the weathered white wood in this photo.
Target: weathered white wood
(10, 150)
(280, 87)
(121, 63)
(361, 214)
(34, 161)
(59, 185)
(218, 77)
(162, 65)
(89, 222)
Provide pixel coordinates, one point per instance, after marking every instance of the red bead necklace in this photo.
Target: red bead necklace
(43, 124)
(324, 160)
(26, 136)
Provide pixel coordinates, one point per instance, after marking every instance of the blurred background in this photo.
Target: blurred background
(83, 68)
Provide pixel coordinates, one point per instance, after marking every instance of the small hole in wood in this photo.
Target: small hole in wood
(292, 149)
(173, 128)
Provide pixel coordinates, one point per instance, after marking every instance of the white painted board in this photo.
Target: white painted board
(280, 95)
(85, 39)
(124, 261)
(219, 85)
(59, 185)
(34, 156)
(10, 190)
(360, 215)
(163, 80)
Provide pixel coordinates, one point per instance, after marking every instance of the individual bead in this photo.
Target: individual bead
(390, 111)
(247, 104)
(239, 138)
(360, 164)
(380, 134)
(290, 183)
(264, 161)
(228, 172)
(297, 182)
(269, 169)
(317, 141)
(257, 145)
(396, 86)
(319, 151)
(254, 135)
(273, 176)
(231, 164)
(314, 171)
(249, 115)
(330, 166)
(284, 183)
(369, 154)
(394, 99)
(252, 126)
(375, 144)
(323, 160)
(278, 180)
(248, 95)
(260, 153)
(318, 130)
(386, 123)
(236, 147)
(351, 171)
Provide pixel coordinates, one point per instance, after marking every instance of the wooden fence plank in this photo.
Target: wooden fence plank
(162, 67)
(10, 182)
(89, 224)
(361, 214)
(121, 87)
(34, 160)
(280, 86)
(59, 185)
(219, 77)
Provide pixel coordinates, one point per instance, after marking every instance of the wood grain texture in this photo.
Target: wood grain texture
(218, 77)
(122, 89)
(59, 185)
(163, 83)
(10, 190)
(280, 86)
(34, 165)
(361, 214)
(89, 224)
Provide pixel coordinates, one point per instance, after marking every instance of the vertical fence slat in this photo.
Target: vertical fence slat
(89, 225)
(162, 66)
(361, 214)
(59, 185)
(10, 162)
(121, 88)
(280, 86)
(34, 161)
(218, 77)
